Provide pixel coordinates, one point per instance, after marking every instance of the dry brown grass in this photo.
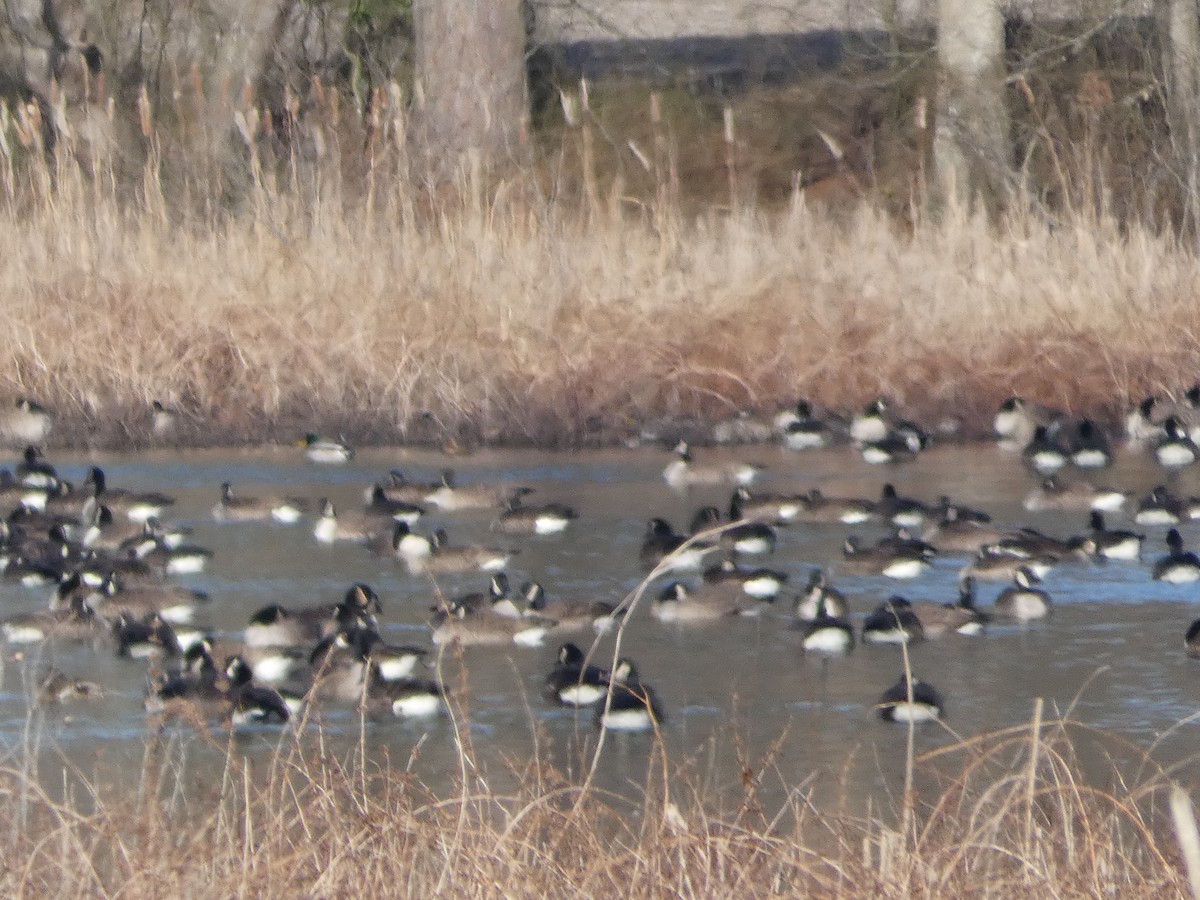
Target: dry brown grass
(1001, 815)
(304, 284)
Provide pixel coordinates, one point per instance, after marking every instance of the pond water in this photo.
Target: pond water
(1112, 652)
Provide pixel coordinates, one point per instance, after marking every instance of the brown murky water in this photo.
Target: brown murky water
(1112, 652)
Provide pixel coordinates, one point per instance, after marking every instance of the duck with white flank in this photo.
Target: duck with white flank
(1022, 600)
(325, 451)
(911, 700)
(1179, 566)
(630, 704)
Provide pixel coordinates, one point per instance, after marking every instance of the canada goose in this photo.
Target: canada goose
(662, 545)
(704, 603)
(827, 633)
(355, 527)
(1175, 449)
(683, 472)
(1044, 454)
(904, 511)
(569, 614)
(900, 444)
(193, 691)
(902, 541)
(1121, 545)
(1029, 543)
(489, 628)
(630, 704)
(355, 659)
(1022, 601)
(953, 534)
(1056, 493)
(572, 682)
(13, 494)
(892, 622)
(760, 583)
(56, 687)
(408, 698)
(63, 500)
(911, 700)
(1144, 424)
(1160, 507)
(134, 506)
(379, 503)
(449, 496)
(773, 509)
(234, 508)
(28, 422)
(108, 533)
(871, 424)
(152, 636)
(996, 565)
(1178, 566)
(818, 508)
(325, 451)
(1017, 419)
(938, 619)
(390, 662)
(545, 518)
(881, 560)
(442, 557)
(277, 626)
(1089, 446)
(337, 667)
(819, 593)
(801, 429)
(497, 599)
(399, 489)
(182, 559)
(34, 472)
(74, 622)
(250, 701)
(750, 538)
(174, 603)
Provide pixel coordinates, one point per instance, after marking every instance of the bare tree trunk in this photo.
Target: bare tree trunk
(1179, 29)
(971, 153)
(471, 94)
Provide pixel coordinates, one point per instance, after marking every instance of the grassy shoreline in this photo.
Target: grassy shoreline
(999, 814)
(518, 322)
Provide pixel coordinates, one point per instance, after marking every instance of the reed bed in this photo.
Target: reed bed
(272, 287)
(997, 815)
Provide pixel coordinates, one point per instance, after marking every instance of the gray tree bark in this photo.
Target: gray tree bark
(971, 154)
(1179, 29)
(471, 95)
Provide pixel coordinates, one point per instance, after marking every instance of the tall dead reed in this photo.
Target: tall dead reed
(1000, 814)
(290, 275)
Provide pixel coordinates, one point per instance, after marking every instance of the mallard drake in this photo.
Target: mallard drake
(325, 451)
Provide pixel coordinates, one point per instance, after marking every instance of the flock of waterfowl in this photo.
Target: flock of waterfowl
(109, 554)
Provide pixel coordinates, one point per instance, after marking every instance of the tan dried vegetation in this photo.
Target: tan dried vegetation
(316, 287)
(1000, 815)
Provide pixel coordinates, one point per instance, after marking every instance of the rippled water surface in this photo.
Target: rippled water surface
(1112, 652)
